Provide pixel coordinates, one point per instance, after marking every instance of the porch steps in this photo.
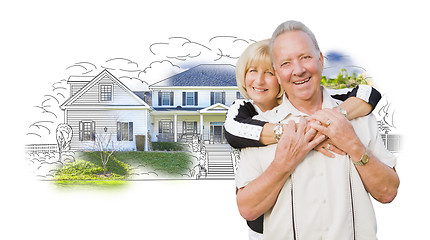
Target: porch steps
(220, 165)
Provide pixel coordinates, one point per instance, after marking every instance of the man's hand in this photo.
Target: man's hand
(335, 126)
(380, 180)
(327, 147)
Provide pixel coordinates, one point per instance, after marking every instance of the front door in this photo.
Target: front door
(217, 132)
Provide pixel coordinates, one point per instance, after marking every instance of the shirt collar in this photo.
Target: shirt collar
(286, 108)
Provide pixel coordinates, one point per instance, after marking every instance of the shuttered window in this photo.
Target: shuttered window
(87, 131)
(189, 98)
(239, 96)
(165, 98)
(217, 97)
(165, 126)
(124, 131)
(189, 127)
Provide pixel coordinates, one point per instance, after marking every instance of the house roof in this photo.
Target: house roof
(95, 80)
(219, 75)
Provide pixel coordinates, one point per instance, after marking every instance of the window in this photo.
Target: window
(165, 126)
(105, 93)
(87, 130)
(239, 96)
(189, 98)
(217, 97)
(124, 131)
(189, 127)
(165, 98)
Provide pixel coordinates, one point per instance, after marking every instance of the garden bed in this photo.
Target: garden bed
(125, 166)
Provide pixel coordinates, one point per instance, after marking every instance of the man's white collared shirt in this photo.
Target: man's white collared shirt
(324, 198)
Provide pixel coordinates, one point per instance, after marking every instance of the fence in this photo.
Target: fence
(392, 142)
(41, 148)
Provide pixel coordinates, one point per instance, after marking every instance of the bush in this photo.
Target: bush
(83, 170)
(89, 166)
(168, 146)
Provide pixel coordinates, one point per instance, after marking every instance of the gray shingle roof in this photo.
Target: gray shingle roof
(202, 75)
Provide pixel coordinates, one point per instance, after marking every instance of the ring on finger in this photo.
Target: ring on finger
(328, 123)
(328, 146)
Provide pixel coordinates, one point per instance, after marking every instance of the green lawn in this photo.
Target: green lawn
(88, 169)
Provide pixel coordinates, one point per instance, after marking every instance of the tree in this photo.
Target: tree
(64, 138)
(104, 144)
(344, 80)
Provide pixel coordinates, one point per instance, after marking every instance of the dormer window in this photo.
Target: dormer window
(106, 93)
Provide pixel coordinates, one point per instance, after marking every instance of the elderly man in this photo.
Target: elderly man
(302, 193)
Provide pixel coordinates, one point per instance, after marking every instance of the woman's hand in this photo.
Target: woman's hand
(295, 143)
(327, 146)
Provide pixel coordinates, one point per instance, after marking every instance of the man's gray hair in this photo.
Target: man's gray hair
(289, 26)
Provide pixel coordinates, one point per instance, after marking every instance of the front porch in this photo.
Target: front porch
(179, 125)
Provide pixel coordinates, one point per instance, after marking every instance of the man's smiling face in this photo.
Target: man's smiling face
(298, 65)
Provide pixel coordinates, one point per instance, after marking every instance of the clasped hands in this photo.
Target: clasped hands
(332, 124)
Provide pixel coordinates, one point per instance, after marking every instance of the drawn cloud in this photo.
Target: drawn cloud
(81, 68)
(219, 48)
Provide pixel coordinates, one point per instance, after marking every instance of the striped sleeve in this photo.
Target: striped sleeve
(241, 130)
(364, 92)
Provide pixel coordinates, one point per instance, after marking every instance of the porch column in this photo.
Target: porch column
(175, 127)
(148, 124)
(201, 125)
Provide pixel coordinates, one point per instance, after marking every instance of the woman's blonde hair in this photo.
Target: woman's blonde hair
(256, 53)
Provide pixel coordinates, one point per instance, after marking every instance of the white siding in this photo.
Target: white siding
(75, 87)
(120, 96)
(109, 119)
(230, 96)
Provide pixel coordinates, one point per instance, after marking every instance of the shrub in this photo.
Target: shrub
(168, 146)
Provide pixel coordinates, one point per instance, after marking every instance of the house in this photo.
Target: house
(103, 108)
(189, 104)
(193, 102)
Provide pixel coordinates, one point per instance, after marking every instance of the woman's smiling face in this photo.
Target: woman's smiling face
(262, 85)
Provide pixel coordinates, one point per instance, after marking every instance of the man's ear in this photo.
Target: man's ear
(322, 60)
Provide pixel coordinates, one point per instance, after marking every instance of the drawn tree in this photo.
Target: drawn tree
(387, 114)
(64, 138)
(104, 144)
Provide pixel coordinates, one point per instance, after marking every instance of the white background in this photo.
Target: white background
(39, 39)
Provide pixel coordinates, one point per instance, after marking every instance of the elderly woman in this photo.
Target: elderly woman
(257, 82)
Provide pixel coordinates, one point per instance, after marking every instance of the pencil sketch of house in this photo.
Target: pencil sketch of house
(188, 106)
(103, 104)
